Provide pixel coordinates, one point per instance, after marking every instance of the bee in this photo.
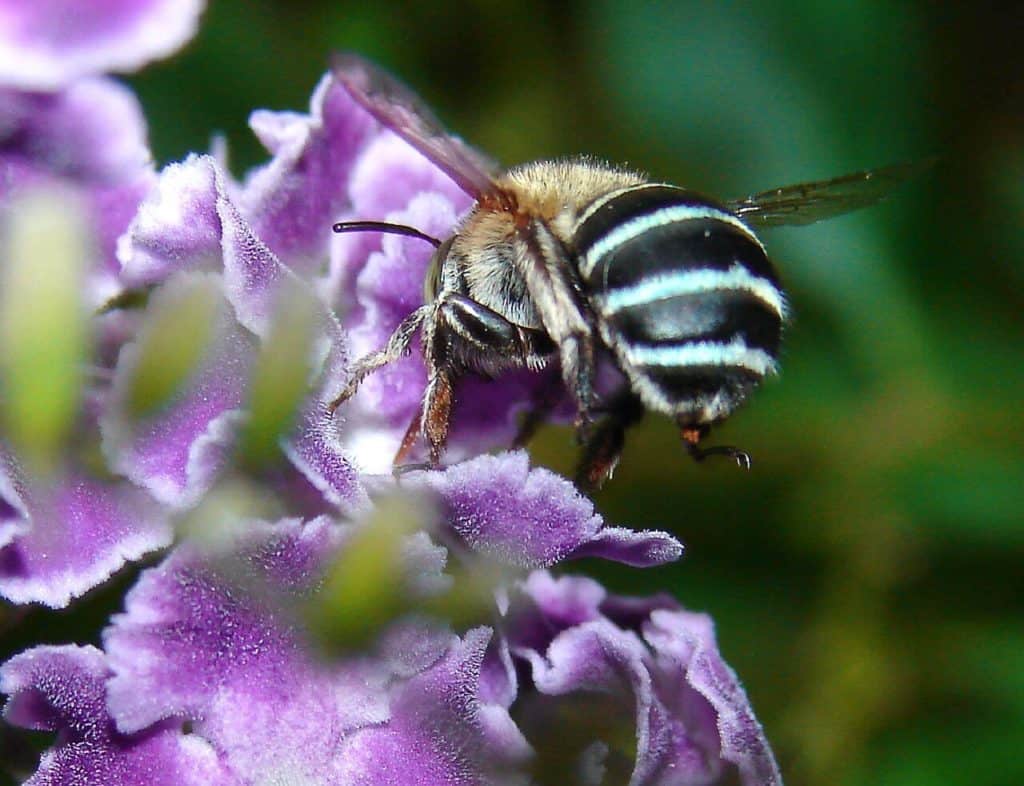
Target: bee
(570, 261)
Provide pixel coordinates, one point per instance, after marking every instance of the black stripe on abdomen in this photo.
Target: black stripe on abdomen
(696, 243)
(607, 214)
(721, 315)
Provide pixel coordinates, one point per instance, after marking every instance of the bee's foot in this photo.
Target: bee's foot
(400, 470)
(741, 457)
(345, 395)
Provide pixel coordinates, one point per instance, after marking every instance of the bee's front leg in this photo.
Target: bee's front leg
(397, 344)
(460, 333)
(554, 288)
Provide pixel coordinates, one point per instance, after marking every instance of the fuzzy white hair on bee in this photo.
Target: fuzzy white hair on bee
(568, 261)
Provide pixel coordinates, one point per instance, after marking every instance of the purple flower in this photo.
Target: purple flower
(91, 139)
(47, 45)
(63, 689)
(693, 721)
(214, 640)
(213, 672)
(61, 535)
(59, 540)
(193, 645)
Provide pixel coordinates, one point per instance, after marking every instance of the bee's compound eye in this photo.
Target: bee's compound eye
(432, 282)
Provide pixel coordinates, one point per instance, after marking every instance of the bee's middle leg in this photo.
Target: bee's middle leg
(603, 442)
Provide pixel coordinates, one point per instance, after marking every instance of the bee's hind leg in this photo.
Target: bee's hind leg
(692, 435)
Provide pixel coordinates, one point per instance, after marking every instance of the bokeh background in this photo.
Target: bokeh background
(866, 576)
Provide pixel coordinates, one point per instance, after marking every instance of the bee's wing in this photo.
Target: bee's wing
(400, 109)
(805, 203)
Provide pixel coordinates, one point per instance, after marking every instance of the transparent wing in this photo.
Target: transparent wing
(401, 110)
(805, 203)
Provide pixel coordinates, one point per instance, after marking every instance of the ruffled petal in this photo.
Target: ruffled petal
(91, 138)
(292, 200)
(689, 662)
(93, 132)
(440, 733)
(210, 638)
(316, 451)
(176, 451)
(62, 689)
(71, 534)
(213, 639)
(177, 226)
(694, 723)
(190, 223)
(45, 46)
(499, 507)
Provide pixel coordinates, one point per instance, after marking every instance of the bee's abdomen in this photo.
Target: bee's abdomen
(685, 296)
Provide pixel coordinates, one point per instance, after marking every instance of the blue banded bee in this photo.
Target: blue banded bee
(573, 260)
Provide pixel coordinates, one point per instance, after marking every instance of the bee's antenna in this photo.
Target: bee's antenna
(383, 226)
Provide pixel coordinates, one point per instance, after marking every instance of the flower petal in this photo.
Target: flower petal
(72, 534)
(44, 46)
(93, 132)
(390, 173)
(176, 451)
(177, 226)
(685, 646)
(693, 721)
(192, 223)
(292, 200)
(189, 222)
(62, 689)
(317, 453)
(439, 732)
(213, 640)
(91, 137)
(501, 508)
(193, 634)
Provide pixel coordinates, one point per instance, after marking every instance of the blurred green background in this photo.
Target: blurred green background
(866, 576)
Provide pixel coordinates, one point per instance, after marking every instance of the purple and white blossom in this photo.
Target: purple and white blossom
(63, 689)
(64, 534)
(60, 540)
(425, 706)
(48, 45)
(211, 673)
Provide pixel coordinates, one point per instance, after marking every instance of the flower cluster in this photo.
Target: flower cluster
(216, 672)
